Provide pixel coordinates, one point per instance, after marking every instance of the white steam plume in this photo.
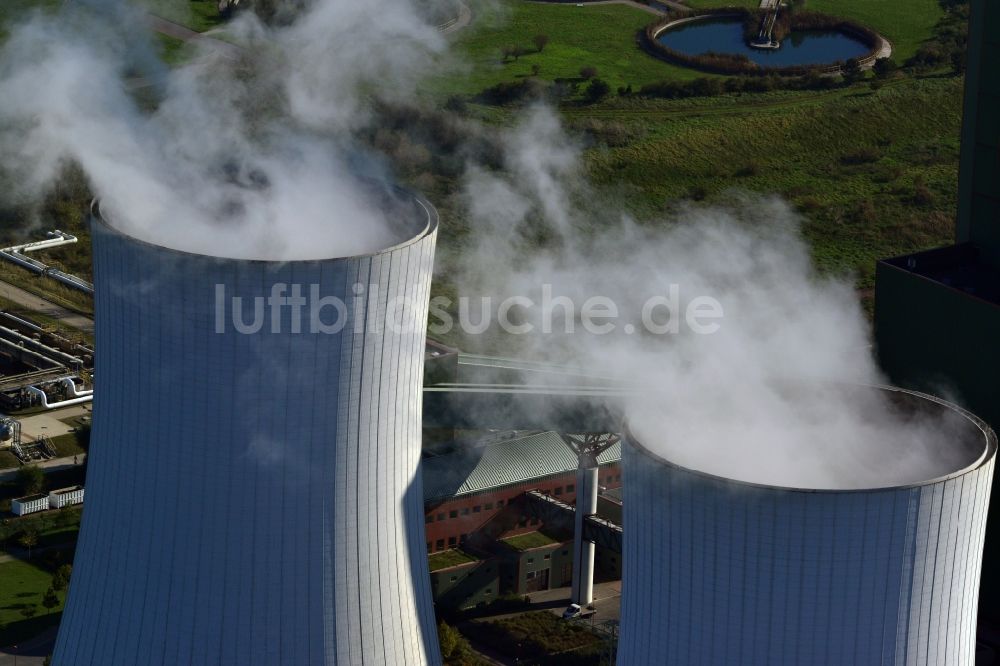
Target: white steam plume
(762, 398)
(246, 156)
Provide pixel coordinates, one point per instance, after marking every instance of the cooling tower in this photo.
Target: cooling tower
(253, 494)
(718, 571)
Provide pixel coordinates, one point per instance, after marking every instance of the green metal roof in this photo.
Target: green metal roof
(502, 463)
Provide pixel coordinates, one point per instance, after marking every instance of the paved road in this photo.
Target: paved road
(54, 465)
(186, 34)
(28, 300)
(31, 652)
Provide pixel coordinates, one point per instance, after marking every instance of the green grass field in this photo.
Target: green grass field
(600, 36)
(12, 11)
(199, 15)
(23, 586)
(904, 23)
(871, 178)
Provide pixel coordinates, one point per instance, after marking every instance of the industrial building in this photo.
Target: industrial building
(719, 571)
(476, 500)
(37, 364)
(937, 313)
(255, 497)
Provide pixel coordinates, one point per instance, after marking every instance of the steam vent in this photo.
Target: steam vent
(253, 495)
(718, 571)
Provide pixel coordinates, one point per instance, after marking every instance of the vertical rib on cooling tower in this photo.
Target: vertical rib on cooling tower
(254, 498)
(719, 572)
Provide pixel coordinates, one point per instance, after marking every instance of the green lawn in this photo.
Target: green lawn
(529, 541)
(8, 460)
(15, 10)
(23, 585)
(601, 36)
(68, 445)
(199, 15)
(449, 558)
(171, 49)
(905, 23)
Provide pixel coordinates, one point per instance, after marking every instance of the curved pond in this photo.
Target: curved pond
(804, 47)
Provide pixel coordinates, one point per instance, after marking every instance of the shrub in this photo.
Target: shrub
(884, 68)
(508, 92)
(852, 70)
(30, 479)
(456, 104)
(597, 90)
(587, 73)
(541, 41)
(864, 155)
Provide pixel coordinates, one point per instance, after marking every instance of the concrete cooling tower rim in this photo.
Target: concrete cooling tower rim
(973, 427)
(424, 212)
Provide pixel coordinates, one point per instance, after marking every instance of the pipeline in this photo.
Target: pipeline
(15, 254)
(44, 398)
(71, 387)
(57, 355)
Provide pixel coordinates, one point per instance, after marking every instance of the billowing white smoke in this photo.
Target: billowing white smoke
(758, 399)
(246, 154)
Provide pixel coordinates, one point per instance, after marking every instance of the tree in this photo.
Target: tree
(30, 479)
(455, 649)
(50, 600)
(28, 540)
(29, 612)
(60, 579)
(587, 73)
(958, 60)
(852, 70)
(597, 90)
(884, 67)
(449, 638)
(535, 69)
(541, 41)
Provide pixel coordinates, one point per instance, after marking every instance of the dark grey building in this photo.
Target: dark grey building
(937, 313)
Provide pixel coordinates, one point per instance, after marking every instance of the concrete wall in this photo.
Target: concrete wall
(253, 499)
(718, 572)
(467, 585)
